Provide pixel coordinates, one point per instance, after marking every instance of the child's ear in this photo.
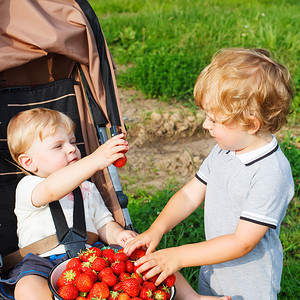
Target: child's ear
(26, 161)
(254, 125)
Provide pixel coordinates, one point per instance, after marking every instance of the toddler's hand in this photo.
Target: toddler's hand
(163, 263)
(110, 151)
(148, 239)
(125, 236)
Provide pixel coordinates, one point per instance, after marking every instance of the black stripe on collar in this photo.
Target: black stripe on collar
(262, 157)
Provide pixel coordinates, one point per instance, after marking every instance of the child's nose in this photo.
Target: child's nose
(71, 148)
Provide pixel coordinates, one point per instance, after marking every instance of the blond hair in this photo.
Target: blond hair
(242, 83)
(28, 125)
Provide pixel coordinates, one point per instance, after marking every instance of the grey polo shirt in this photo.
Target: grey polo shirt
(256, 187)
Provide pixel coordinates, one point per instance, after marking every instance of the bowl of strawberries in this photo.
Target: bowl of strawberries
(106, 273)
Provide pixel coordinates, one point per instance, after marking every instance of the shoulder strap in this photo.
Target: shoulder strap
(72, 238)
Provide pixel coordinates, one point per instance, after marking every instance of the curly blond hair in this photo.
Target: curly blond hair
(240, 84)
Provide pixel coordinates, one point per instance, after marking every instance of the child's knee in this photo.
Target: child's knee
(33, 285)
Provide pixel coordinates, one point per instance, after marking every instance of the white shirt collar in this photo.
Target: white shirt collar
(252, 156)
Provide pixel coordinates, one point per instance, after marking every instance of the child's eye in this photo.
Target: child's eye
(57, 146)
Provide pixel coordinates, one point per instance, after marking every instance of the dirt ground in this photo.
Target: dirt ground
(166, 141)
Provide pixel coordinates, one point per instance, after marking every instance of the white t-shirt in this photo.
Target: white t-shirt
(36, 223)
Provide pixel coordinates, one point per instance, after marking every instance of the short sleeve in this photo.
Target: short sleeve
(24, 191)
(204, 170)
(268, 198)
(101, 214)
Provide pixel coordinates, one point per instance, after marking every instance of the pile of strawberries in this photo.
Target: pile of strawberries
(109, 275)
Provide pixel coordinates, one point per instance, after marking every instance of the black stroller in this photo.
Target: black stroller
(53, 54)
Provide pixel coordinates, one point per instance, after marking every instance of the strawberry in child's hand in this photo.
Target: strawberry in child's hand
(67, 277)
(137, 253)
(131, 286)
(68, 292)
(99, 290)
(84, 282)
(121, 162)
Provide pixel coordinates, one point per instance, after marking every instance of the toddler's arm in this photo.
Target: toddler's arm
(65, 180)
(217, 250)
(179, 207)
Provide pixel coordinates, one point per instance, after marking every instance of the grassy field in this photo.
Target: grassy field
(161, 47)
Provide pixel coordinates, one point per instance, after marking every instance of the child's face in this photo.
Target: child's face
(228, 137)
(54, 152)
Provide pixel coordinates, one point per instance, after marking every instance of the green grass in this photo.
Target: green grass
(167, 43)
(163, 46)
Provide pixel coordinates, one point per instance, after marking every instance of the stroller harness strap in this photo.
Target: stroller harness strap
(72, 238)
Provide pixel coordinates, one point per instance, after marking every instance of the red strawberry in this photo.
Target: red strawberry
(96, 251)
(105, 271)
(170, 280)
(67, 277)
(110, 279)
(99, 290)
(81, 298)
(117, 287)
(123, 276)
(137, 253)
(68, 292)
(131, 286)
(138, 277)
(129, 266)
(92, 274)
(84, 282)
(113, 295)
(136, 298)
(99, 263)
(120, 256)
(166, 289)
(154, 278)
(86, 265)
(149, 285)
(118, 267)
(145, 293)
(74, 263)
(84, 255)
(159, 295)
(124, 296)
(121, 162)
(109, 254)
